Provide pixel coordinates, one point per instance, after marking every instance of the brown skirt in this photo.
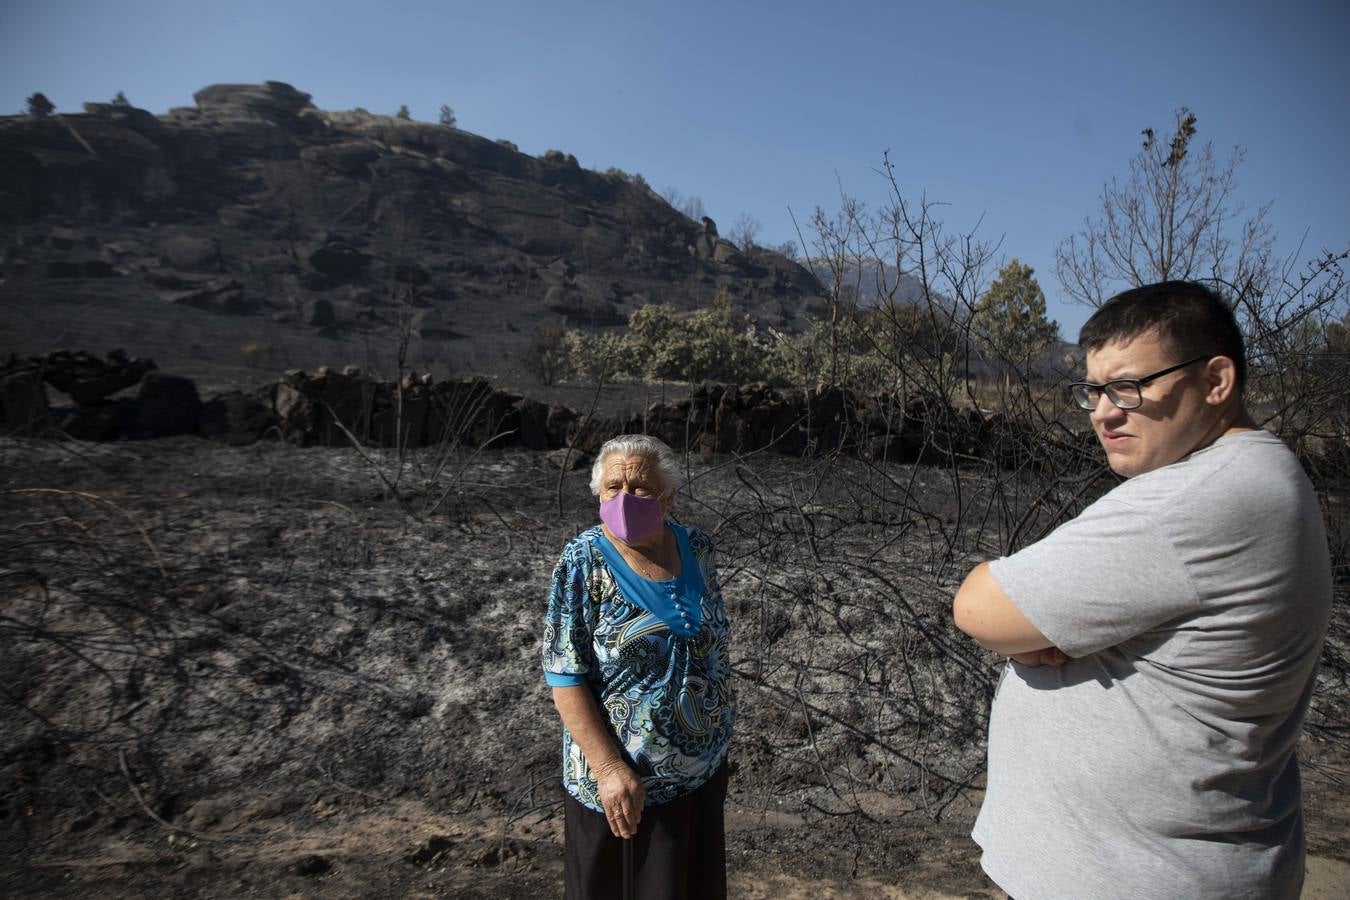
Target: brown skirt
(679, 852)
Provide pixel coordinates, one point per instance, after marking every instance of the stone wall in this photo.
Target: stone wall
(337, 408)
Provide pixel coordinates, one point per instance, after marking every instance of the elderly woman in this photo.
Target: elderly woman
(636, 651)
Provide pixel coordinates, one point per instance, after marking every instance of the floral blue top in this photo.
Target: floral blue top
(655, 654)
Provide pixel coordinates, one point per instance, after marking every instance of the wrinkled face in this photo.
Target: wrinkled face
(635, 474)
(1174, 418)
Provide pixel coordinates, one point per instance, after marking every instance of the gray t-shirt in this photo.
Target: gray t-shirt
(1158, 762)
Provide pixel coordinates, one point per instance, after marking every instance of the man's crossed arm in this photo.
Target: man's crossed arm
(984, 612)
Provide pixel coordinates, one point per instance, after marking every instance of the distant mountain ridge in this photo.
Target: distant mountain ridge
(273, 221)
(866, 281)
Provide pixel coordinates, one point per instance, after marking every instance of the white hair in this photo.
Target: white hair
(654, 449)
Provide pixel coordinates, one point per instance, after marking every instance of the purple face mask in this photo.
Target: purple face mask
(631, 517)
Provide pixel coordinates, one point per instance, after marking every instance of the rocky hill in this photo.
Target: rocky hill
(254, 230)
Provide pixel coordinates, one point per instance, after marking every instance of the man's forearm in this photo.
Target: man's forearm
(982, 610)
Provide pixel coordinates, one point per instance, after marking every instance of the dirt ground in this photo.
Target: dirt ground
(275, 671)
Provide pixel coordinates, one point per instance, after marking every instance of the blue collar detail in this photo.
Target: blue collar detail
(677, 602)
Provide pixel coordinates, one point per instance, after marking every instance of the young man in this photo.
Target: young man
(1163, 644)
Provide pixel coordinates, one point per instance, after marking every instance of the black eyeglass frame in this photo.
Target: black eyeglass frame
(1137, 383)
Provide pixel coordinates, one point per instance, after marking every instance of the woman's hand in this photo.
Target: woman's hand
(621, 793)
(622, 796)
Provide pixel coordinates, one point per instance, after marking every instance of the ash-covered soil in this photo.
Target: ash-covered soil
(274, 671)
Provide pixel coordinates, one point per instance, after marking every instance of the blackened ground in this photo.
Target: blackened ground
(273, 671)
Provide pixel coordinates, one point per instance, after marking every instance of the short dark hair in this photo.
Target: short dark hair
(1191, 320)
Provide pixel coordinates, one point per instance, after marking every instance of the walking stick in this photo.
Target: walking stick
(629, 888)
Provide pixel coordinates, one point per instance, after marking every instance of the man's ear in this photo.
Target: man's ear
(1221, 379)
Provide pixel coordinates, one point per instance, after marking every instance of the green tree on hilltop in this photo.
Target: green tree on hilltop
(39, 106)
(403, 113)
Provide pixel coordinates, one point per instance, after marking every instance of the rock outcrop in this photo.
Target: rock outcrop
(258, 205)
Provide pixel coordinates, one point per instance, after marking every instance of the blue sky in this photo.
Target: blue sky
(1013, 114)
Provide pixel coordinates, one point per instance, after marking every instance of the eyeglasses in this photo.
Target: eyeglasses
(1126, 393)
